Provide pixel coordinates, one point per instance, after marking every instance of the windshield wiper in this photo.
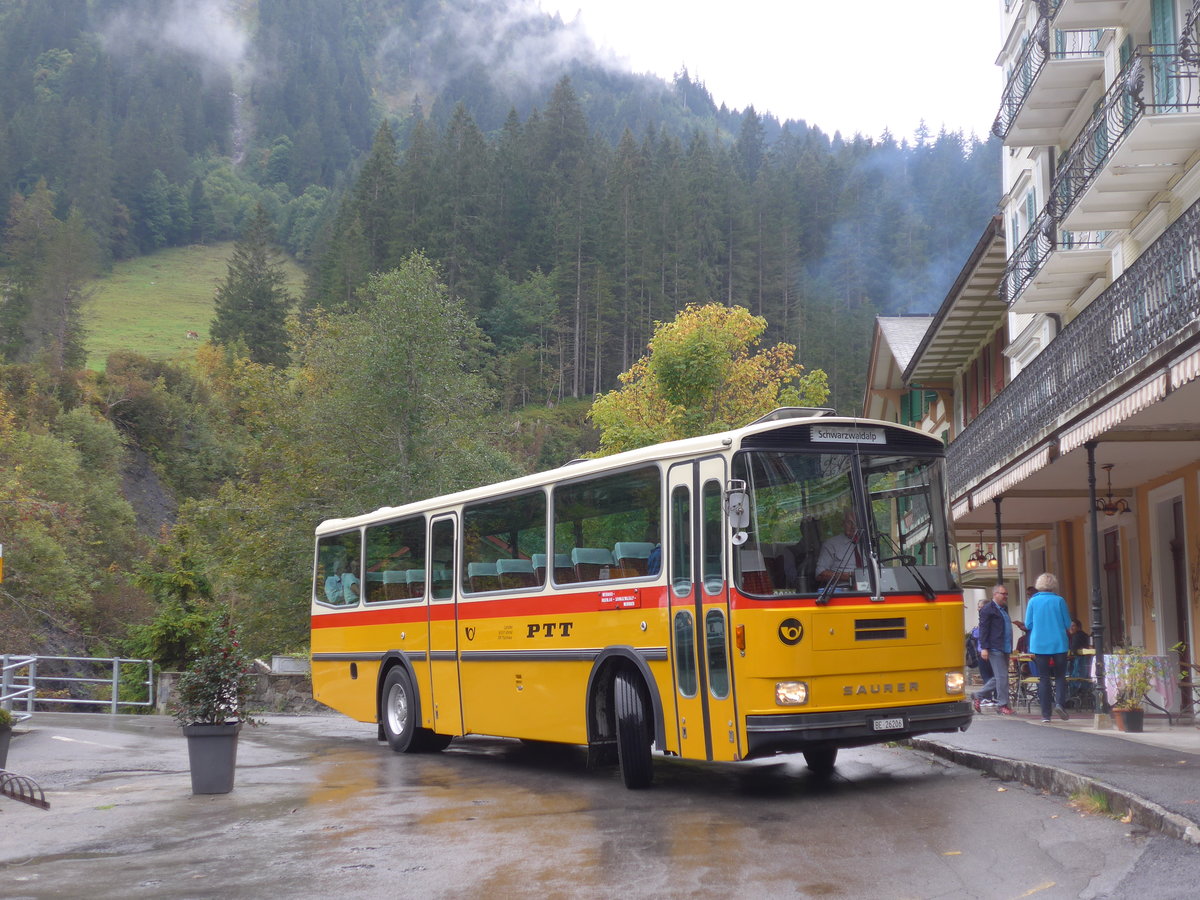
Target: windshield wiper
(831, 585)
(910, 563)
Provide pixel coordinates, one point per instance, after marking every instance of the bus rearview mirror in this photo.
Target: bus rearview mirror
(737, 505)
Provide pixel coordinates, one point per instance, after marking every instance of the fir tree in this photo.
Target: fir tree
(252, 303)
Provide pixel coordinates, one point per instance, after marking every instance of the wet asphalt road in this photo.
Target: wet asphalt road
(321, 808)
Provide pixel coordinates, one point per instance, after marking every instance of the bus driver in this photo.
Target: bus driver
(839, 554)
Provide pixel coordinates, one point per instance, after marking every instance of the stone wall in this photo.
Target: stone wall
(273, 693)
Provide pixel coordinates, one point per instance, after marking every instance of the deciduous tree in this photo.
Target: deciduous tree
(704, 373)
(384, 406)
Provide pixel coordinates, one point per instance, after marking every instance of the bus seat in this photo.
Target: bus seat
(755, 577)
(632, 555)
(591, 563)
(482, 576)
(372, 586)
(564, 572)
(776, 558)
(395, 584)
(415, 580)
(539, 566)
(516, 573)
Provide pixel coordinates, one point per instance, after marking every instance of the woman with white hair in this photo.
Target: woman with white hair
(1048, 619)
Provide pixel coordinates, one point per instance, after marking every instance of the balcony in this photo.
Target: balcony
(1142, 134)
(1136, 323)
(1051, 268)
(1189, 38)
(1093, 13)
(1047, 84)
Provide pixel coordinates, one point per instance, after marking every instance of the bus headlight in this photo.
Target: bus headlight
(791, 693)
(954, 682)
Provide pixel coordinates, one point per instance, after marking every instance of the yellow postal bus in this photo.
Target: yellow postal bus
(782, 587)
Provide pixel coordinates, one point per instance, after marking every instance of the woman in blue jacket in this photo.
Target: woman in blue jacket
(1048, 619)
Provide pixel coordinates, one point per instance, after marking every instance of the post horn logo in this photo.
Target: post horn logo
(470, 633)
(791, 631)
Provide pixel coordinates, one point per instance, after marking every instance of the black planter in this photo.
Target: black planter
(212, 755)
(1129, 720)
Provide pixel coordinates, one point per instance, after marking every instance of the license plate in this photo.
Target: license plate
(888, 724)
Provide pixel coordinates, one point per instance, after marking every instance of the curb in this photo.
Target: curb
(1060, 781)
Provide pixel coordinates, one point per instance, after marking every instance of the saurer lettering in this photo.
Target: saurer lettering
(851, 690)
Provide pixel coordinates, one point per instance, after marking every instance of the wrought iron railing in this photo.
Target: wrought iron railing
(1156, 80)
(1038, 49)
(1136, 322)
(1189, 38)
(1024, 72)
(1042, 239)
(1030, 255)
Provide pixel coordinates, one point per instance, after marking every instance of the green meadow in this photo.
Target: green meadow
(149, 304)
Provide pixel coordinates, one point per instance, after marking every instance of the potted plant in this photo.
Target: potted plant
(1133, 672)
(210, 703)
(6, 727)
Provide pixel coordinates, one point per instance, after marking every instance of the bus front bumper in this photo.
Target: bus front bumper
(794, 732)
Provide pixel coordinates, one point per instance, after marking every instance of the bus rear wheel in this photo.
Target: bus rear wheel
(398, 710)
(633, 733)
(821, 760)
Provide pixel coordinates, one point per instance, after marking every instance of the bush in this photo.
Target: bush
(1133, 671)
(218, 685)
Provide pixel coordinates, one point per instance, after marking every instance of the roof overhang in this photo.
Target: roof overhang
(971, 311)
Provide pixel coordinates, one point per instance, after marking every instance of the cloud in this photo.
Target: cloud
(205, 29)
(513, 40)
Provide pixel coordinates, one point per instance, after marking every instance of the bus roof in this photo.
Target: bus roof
(785, 417)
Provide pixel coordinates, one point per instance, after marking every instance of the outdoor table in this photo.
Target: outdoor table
(1164, 683)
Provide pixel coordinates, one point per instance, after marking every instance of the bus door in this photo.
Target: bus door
(699, 598)
(444, 705)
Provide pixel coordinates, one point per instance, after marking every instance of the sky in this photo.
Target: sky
(847, 65)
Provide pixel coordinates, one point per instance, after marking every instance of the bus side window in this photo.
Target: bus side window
(441, 557)
(336, 582)
(685, 653)
(713, 534)
(393, 550)
(718, 663)
(500, 540)
(681, 541)
(608, 513)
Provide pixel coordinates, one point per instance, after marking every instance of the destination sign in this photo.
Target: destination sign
(846, 434)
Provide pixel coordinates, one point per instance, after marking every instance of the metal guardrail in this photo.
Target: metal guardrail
(35, 680)
(10, 694)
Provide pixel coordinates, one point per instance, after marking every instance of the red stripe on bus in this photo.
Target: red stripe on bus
(741, 601)
(501, 607)
(589, 601)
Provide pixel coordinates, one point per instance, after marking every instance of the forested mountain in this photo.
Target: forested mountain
(564, 205)
(818, 236)
(162, 123)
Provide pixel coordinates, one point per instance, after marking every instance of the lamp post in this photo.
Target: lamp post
(1097, 605)
(999, 545)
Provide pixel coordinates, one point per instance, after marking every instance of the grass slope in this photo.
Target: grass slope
(149, 304)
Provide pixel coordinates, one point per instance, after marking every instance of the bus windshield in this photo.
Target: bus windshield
(826, 523)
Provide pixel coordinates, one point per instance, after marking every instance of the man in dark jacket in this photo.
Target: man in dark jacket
(995, 645)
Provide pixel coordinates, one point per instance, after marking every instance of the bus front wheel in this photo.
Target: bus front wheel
(821, 760)
(633, 732)
(398, 709)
